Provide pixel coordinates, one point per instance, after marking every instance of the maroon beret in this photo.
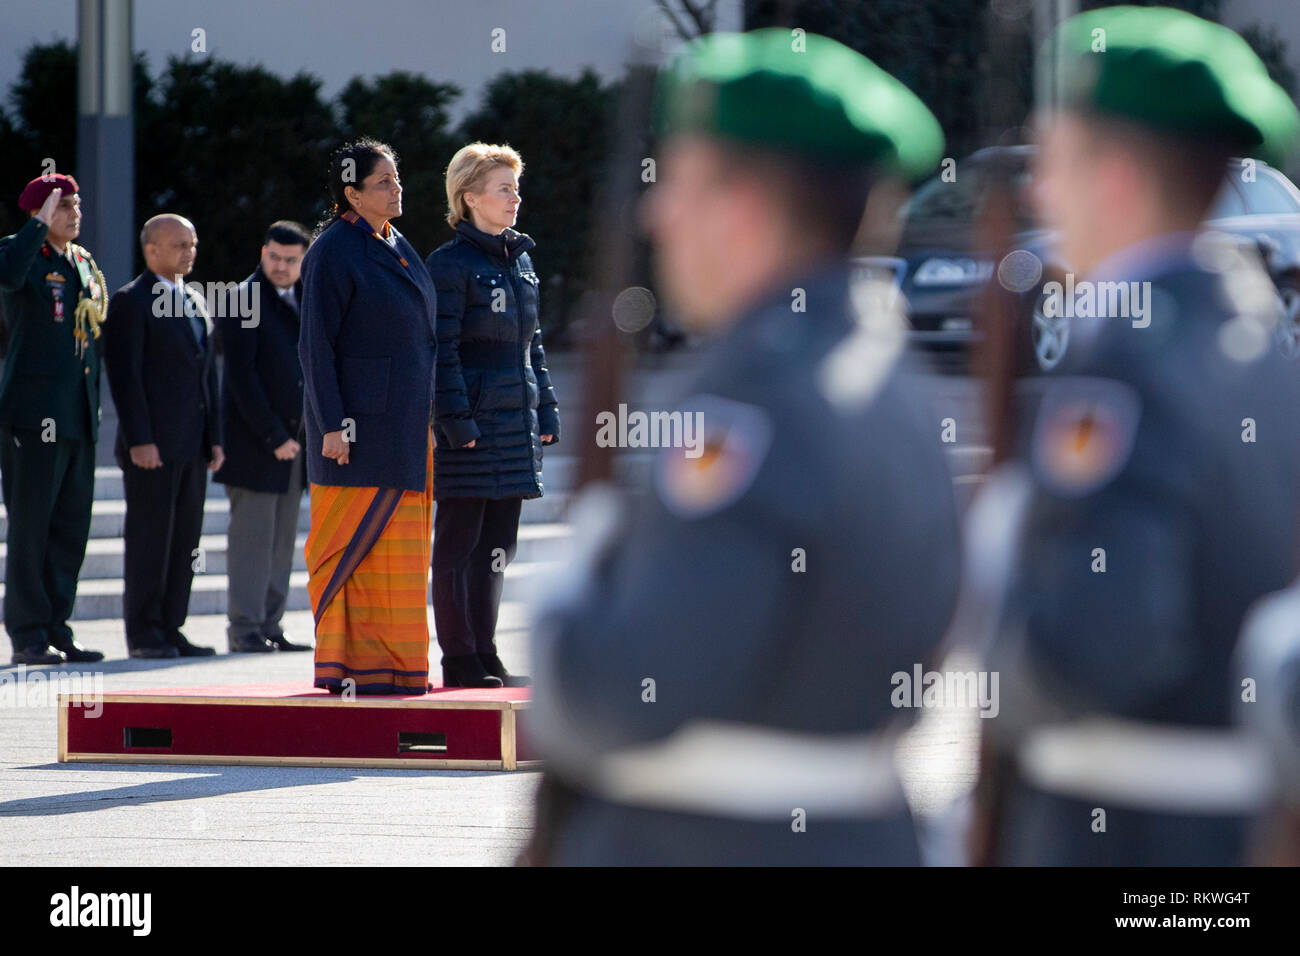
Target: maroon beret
(39, 189)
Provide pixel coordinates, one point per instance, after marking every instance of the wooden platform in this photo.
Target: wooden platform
(291, 724)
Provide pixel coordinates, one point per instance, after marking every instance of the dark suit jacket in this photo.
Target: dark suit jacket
(164, 383)
(367, 348)
(261, 388)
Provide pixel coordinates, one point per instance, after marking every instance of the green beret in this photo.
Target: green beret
(1175, 73)
(797, 93)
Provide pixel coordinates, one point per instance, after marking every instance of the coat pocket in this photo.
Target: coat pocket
(364, 384)
(492, 289)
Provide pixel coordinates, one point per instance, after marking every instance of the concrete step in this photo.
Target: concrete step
(109, 510)
(559, 473)
(104, 556)
(107, 516)
(967, 460)
(102, 598)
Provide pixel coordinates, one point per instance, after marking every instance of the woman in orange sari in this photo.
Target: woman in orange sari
(367, 348)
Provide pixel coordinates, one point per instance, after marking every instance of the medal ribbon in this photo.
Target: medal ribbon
(90, 309)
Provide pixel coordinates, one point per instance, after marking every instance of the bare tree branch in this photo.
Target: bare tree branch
(668, 11)
(701, 13)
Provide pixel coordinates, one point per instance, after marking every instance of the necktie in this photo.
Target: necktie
(195, 312)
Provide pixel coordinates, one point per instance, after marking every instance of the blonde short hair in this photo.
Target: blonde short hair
(468, 170)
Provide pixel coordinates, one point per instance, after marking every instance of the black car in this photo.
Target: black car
(941, 273)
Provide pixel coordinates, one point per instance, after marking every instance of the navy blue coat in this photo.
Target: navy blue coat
(164, 382)
(367, 348)
(261, 390)
(493, 385)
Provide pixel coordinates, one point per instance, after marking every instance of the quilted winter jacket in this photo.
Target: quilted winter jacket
(491, 383)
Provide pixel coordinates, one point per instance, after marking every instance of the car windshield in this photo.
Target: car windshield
(1267, 194)
(960, 199)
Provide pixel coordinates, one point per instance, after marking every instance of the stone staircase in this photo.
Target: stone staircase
(542, 536)
(543, 533)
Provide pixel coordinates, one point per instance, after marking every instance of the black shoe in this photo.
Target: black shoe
(185, 649)
(38, 656)
(283, 643)
(249, 644)
(466, 671)
(492, 664)
(75, 653)
(153, 651)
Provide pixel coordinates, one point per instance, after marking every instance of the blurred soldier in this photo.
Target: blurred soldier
(716, 686)
(54, 302)
(164, 382)
(265, 469)
(1159, 474)
(1267, 702)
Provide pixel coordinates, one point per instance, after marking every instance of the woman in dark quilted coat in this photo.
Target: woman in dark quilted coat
(494, 408)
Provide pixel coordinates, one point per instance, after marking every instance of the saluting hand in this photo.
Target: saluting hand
(50, 206)
(333, 446)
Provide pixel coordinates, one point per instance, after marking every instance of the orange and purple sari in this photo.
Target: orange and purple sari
(368, 565)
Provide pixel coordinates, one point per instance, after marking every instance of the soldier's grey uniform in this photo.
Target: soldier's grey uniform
(1269, 659)
(766, 739)
(1117, 683)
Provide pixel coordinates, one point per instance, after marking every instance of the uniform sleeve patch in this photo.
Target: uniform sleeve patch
(1084, 434)
(719, 468)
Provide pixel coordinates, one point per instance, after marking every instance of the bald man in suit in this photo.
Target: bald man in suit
(163, 377)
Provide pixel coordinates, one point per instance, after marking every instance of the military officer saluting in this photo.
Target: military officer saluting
(713, 686)
(1157, 489)
(54, 302)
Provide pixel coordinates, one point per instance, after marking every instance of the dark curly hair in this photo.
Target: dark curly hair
(365, 154)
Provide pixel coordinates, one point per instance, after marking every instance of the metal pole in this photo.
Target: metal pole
(106, 136)
(1048, 84)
